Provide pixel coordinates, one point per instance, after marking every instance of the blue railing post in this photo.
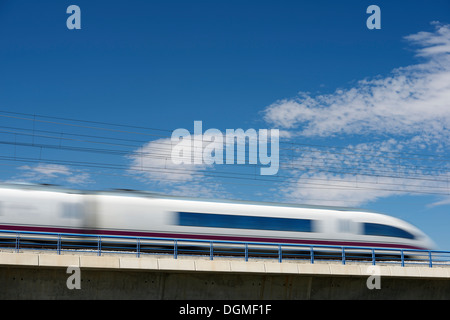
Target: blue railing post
(403, 258)
(138, 247)
(373, 257)
(280, 259)
(431, 260)
(99, 246)
(312, 255)
(17, 241)
(211, 252)
(175, 249)
(58, 244)
(343, 255)
(246, 252)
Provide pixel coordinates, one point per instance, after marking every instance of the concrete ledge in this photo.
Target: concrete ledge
(22, 259)
(385, 271)
(214, 266)
(99, 262)
(242, 266)
(175, 264)
(51, 260)
(434, 272)
(118, 262)
(308, 268)
(137, 263)
(346, 270)
(275, 267)
(398, 271)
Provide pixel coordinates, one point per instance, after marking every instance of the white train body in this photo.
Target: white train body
(46, 209)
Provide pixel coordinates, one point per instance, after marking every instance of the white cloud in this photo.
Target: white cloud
(51, 173)
(442, 202)
(362, 173)
(152, 164)
(407, 112)
(404, 114)
(46, 170)
(413, 100)
(434, 44)
(153, 161)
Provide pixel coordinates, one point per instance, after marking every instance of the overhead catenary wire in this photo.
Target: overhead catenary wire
(328, 169)
(32, 117)
(324, 186)
(385, 159)
(292, 164)
(60, 137)
(232, 175)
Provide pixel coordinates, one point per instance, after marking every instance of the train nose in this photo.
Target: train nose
(431, 244)
(428, 243)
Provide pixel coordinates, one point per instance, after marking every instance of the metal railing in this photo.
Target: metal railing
(138, 246)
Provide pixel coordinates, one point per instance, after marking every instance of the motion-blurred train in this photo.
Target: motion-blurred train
(139, 214)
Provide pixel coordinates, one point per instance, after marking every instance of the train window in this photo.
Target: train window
(345, 226)
(243, 222)
(71, 210)
(375, 229)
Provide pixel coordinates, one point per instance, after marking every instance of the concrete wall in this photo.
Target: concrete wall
(43, 276)
(50, 283)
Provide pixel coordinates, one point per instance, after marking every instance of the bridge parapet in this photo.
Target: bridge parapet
(37, 275)
(203, 264)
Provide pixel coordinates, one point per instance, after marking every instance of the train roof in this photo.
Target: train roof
(141, 193)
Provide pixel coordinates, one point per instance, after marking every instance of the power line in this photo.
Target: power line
(60, 138)
(184, 172)
(166, 157)
(290, 164)
(439, 180)
(443, 158)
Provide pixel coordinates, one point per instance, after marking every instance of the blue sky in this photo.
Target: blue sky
(363, 114)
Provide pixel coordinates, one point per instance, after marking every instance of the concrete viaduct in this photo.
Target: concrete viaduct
(37, 275)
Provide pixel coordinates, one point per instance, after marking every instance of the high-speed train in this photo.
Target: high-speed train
(140, 214)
